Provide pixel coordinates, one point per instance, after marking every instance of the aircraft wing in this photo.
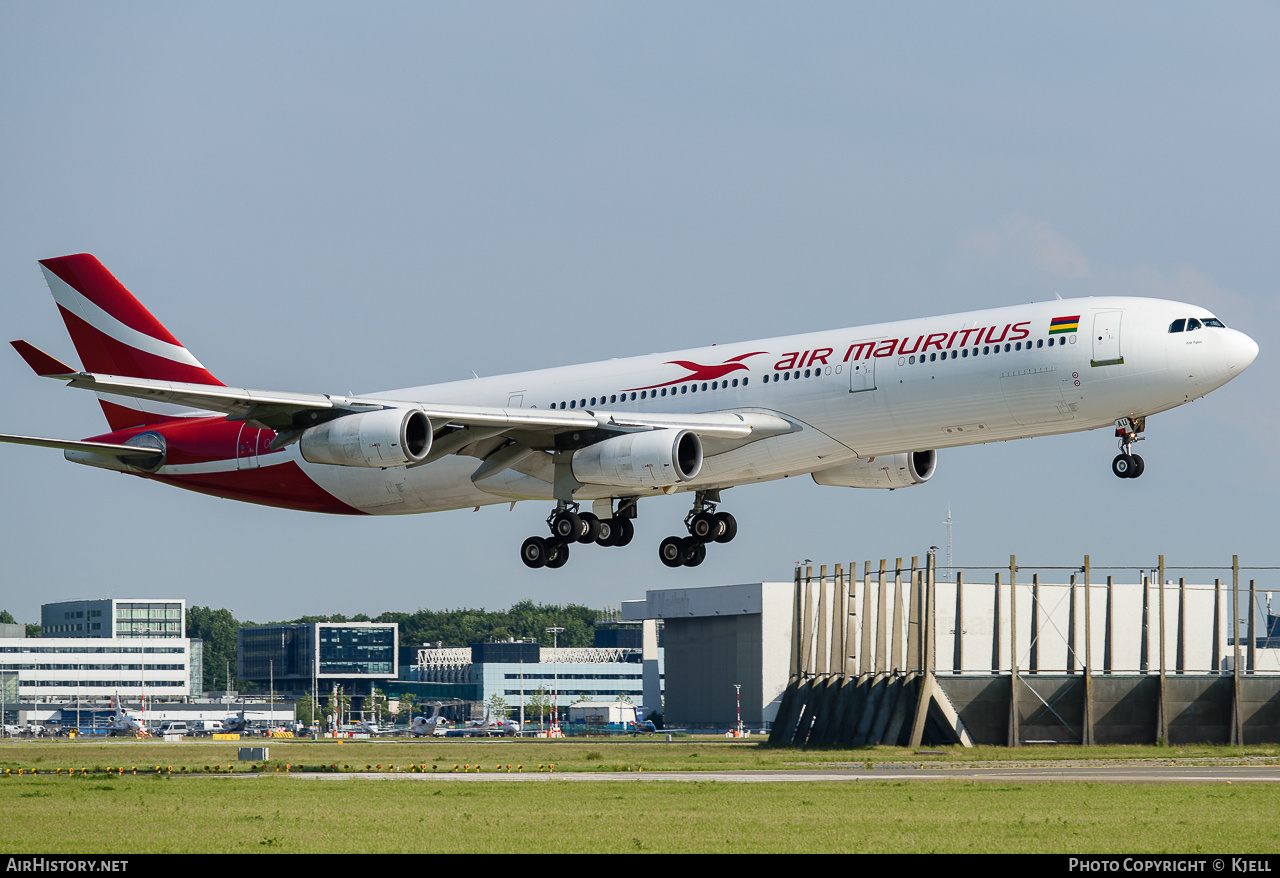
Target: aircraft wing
(469, 429)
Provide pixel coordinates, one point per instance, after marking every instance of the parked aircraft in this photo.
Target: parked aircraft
(372, 728)
(431, 723)
(865, 407)
(493, 727)
(124, 723)
(235, 724)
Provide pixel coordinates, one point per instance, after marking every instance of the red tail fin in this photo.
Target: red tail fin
(115, 335)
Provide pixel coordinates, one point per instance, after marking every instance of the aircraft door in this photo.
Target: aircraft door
(1106, 339)
(247, 448)
(862, 367)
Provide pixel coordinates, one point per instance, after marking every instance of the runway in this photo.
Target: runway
(1079, 772)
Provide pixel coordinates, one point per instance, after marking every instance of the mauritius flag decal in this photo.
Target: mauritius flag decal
(1064, 324)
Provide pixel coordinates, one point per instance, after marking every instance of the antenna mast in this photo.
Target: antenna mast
(948, 522)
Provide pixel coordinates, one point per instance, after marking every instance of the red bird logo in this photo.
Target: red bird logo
(699, 372)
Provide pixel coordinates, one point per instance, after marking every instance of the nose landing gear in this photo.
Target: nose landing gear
(1126, 464)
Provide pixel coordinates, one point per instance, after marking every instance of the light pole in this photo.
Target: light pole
(737, 687)
(554, 631)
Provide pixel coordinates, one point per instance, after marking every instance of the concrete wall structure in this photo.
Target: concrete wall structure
(1020, 661)
(721, 637)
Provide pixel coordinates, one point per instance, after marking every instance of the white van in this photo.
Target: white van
(172, 727)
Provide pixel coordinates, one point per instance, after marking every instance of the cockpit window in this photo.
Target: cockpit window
(1178, 325)
(1214, 321)
(1192, 324)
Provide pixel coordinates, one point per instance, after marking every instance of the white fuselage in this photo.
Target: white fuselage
(912, 385)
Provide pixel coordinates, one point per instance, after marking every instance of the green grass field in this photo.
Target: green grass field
(97, 813)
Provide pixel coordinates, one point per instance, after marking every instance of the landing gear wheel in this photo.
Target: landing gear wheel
(534, 552)
(693, 551)
(671, 551)
(557, 554)
(566, 525)
(1123, 466)
(729, 527)
(1138, 467)
(608, 532)
(625, 531)
(590, 528)
(705, 527)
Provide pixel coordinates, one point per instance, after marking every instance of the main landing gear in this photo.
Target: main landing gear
(705, 526)
(568, 526)
(1126, 464)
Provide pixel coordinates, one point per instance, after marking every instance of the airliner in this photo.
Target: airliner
(862, 407)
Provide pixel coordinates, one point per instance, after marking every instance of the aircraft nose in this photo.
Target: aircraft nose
(1240, 350)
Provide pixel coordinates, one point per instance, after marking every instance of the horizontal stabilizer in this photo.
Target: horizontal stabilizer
(41, 363)
(72, 445)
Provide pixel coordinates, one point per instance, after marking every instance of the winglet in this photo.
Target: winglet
(41, 363)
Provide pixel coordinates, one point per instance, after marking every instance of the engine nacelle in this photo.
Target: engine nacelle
(388, 437)
(882, 471)
(652, 459)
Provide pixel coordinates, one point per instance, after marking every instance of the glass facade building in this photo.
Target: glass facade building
(345, 653)
(114, 617)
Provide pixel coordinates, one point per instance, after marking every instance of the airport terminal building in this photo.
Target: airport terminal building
(295, 658)
(530, 675)
(101, 649)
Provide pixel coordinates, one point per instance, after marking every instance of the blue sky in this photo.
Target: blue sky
(323, 197)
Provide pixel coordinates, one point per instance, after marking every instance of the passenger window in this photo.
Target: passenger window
(1040, 343)
(786, 376)
(1177, 325)
(986, 350)
(797, 374)
(1006, 349)
(704, 385)
(735, 382)
(911, 360)
(573, 403)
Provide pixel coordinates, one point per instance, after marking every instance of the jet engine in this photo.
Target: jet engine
(652, 459)
(388, 437)
(883, 471)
